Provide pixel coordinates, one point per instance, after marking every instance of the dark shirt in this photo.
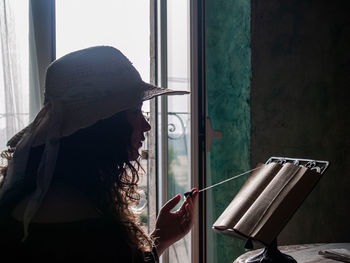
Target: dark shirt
(91, 240)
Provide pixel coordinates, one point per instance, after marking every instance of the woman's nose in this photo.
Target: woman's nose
(145, 125)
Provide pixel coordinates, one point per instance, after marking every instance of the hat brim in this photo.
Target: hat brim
(153, 91)
(150, 92)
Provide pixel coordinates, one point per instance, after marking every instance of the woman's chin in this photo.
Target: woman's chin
(133, 155)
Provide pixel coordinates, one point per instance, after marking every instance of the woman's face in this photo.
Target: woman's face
(139, 126)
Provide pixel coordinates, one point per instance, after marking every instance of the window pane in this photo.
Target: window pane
(179, 172)
(122, 24)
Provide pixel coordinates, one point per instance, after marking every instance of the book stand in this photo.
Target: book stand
(270, 253)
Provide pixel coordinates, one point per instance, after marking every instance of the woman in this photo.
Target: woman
(71, 180)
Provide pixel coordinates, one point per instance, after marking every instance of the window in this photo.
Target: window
(155, 35)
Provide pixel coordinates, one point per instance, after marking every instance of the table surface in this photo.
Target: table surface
(307, 253)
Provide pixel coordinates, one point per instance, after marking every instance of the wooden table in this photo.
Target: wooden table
(307, 253)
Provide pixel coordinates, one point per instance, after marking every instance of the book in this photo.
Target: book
(339, 254)
(267, 201)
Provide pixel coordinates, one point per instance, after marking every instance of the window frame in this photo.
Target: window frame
(198, 114)
(198, 125)
(43, 14)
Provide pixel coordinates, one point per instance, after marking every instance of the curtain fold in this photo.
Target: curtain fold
(11, 97)
(20, 95)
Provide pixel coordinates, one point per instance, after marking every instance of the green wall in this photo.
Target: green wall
(228, 99)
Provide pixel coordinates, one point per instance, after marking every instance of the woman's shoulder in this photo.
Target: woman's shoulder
(91, 240)
(62, 203)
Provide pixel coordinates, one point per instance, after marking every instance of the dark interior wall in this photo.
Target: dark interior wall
(300, 104)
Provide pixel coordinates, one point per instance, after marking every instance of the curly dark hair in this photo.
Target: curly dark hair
(95, 161)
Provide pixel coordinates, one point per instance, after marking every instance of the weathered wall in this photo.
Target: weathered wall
(228, 92)
(300, 104)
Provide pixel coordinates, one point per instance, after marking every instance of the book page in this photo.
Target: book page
(285, 204)
(249, 221)
(251, 189)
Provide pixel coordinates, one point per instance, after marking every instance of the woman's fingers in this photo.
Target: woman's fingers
(191, 196)
(172, 226)
(171, 203)
(194, 195)
(188, 209)
(188, 201)
(189, 205)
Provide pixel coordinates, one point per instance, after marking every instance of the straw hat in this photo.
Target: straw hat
(81, 88)
(89, 85)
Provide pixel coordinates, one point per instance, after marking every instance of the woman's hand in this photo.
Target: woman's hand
(172, 226)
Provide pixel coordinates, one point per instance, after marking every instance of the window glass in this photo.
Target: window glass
(179, 172)
(122, 24)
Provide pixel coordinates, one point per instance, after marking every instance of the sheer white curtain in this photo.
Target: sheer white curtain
(16, 99)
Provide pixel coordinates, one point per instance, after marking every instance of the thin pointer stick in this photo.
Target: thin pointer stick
(222, 182)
